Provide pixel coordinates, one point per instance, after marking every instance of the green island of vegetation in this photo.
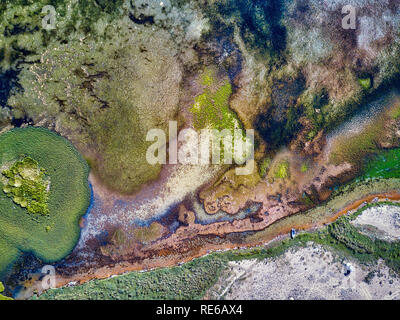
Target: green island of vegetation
(33, 219)
(26, 184)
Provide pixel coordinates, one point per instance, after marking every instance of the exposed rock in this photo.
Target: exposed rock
(187, 217)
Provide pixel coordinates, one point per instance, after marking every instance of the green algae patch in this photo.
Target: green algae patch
(26, 184)
(1, 290)
(282, 170)
(51, 236)
(211, 108)
(207, 79)
(365, 83)
(385, 165)
(150, 233)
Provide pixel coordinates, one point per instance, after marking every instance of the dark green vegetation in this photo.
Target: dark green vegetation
(187, 282)
(26, 184)
(21, 29)
(279, 125)
(384, 165)
(49, 237)
(365, 83)
(263, 166)
(342, 234)
(259, 22)
(311, 103)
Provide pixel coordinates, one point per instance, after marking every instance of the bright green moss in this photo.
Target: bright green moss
(365, 83)
(282, 170)
(207, 78)
(1, 290)
(211, 109)
(313, 102)
(311, 135)
(25, 182)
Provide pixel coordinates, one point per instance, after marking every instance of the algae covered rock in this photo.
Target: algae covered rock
(26, 183)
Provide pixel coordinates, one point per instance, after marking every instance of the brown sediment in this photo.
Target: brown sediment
(177, 248)
(389, 196)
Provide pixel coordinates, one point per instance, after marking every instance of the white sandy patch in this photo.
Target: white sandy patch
(385, 218)
(305, 274)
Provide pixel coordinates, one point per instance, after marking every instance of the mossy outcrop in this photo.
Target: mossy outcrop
(26, 183)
